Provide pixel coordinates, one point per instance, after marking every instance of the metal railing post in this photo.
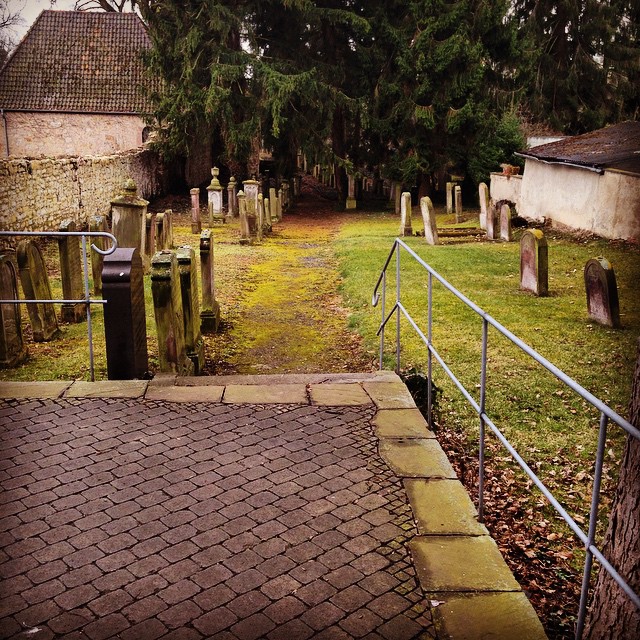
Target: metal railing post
(87, 297)
(593, 522)
(384, 297)
(429, 357)
(397, 309)
(483, 387)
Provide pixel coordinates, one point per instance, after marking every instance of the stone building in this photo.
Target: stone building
(74, 86)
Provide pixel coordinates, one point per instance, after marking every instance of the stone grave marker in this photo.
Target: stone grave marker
(167, 306)
(151, 234)
(458, 202)
(260, 218)
(492, 220)
(429, 219)
(449, 188)
(279, 206)
(71, 274)
(214, 190)
(167, 241)
(534, 262)
(232, 203)
(251, 190)
(505, 223)
(98, 224)
(210, 311)
(273, 203)
(129, 219)
(266, 214)
(351, 193)
(602, 292)
(483, 193)
(12, 348)
(160, 232)
(405, 215)
(397, 197)
(191, 307)
(196, 222)
(245, 232)
(35, 285)
(125, 326)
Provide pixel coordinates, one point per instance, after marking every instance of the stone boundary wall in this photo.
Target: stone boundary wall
(504, 187)
(38, 194)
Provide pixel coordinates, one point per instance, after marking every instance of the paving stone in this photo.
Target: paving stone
(416, 458)
(401, 423)
(260, 394)
(389, 395)
(107, 389)
(43, 390)
(336, 395)
(207, 393)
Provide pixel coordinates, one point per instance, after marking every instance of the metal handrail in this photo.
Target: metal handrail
(606, 413)
(87, 300)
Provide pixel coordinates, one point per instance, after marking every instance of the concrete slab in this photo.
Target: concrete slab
(50, 390)
(289, 378)
(185, 394)
(486, 616)
(107, 389)
(443, 507)
(261, 394)
(390, 395)
(401, 423)
(460, 563)
(416, 458)
(338, 394)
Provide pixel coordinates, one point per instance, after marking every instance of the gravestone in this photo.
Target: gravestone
(196, 222)
(164, 230)
(483, 192)
(191, 307)
(265, 212)
(232, 203)
(98, 224)
(210, 311)
(245, 232)
(458, 202)
(260, 218)
(35, 285)
(602, 292)
(169, 315)
(273, 203)
(71, 274)
(160, 232)
(214, 198)
(128, 220)
(12, 348)
(279, 206)
(125, 326)
(251, 190)
(151, 234)
(405, 215)
(492, 220)
(429, 219)
(351, 193)
(449, 188)
(397, 197)
(534, 262)
(505, 223)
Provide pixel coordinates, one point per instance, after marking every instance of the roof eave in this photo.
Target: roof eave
(589, 167)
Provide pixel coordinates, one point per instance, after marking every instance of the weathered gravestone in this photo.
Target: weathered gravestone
(492, 221)
(397, 197)
(264, 215)
(35, 285)
(273, 203)
(483, 193)
(214, 191)
(405, 215)
(245, 232)
(129, 219)
(279, 204)
(534, 262)
(164, 230)
(125, 326)
(602, 292)
(232, 203)
(505, 222)
(458, 202)
(169, 315)
(71, 274)
(210, 311)
(190, 307)
(251, 191)
(259, 218)
(351, 193)
(98, 224)
(12, 348)
(196, 222)
(429, 219)
(151, 234)
(449, 192)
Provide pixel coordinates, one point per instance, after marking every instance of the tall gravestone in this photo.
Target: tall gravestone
(351, 193)
(483, 193)
(279, 203)
(125, 326)
(196, 222)
(259, 218)
(449, 193)
(492, 221)
(214, 191)
(12, 348)
(265, 214)
(151, 234)
(534, 262)
(458, 202)
(251, 191)
(98, 224)
(129, 220)
(167, 306)
(161, 234)
(397, 197)
(273, 203)
(210, 310)
(245, 233)
(429, 219)
(232, 203)
(35, 285)
(505, 222)
(406, 228)
(71, 274)
(190, 307)
(602, 292)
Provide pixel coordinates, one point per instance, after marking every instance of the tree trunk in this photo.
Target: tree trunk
(612, 616)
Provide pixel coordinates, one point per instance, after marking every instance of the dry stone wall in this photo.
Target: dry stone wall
(38, 194)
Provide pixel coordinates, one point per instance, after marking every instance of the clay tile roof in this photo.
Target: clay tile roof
(78, 62)
(616, 147)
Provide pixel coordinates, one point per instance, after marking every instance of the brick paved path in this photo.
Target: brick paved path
(138, 519)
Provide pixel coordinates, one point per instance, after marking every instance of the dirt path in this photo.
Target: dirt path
(285, 313)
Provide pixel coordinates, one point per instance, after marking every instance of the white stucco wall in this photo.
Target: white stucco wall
(506, 188)
(69, 134)
(605, 204)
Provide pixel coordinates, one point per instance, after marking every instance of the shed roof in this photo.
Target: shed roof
(613, 148)
(78, 62)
